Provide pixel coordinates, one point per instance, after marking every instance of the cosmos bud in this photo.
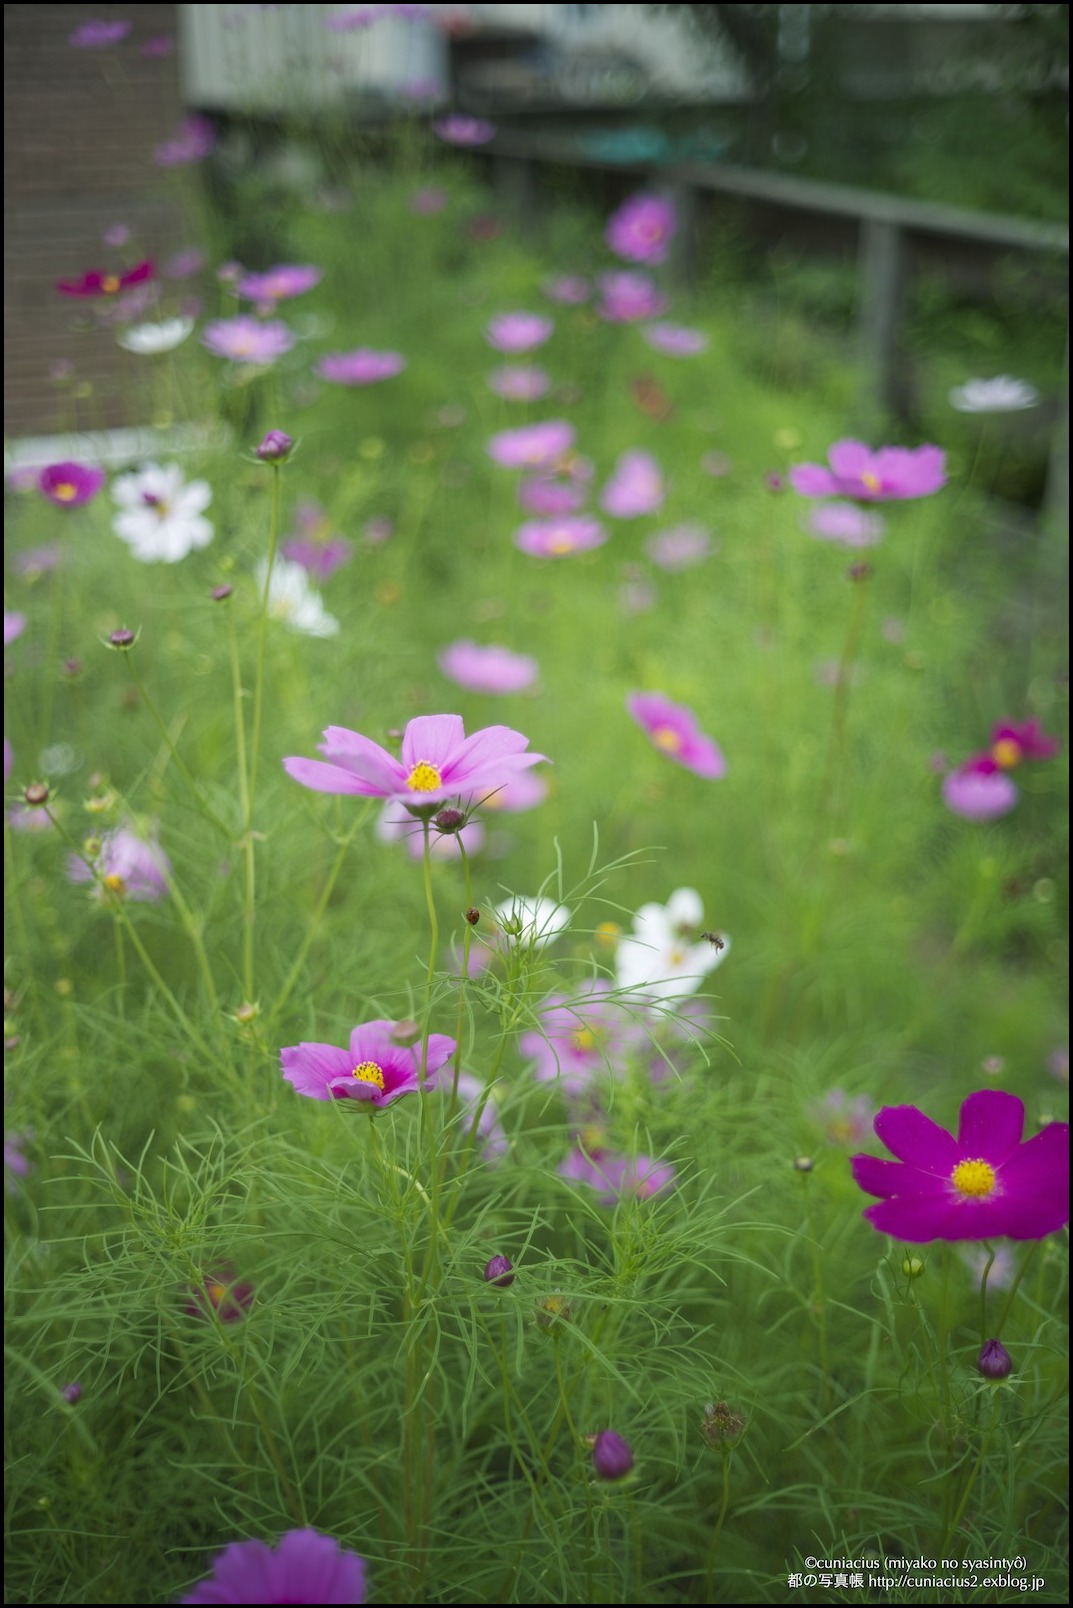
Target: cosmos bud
(994, 1361)
(611, 1455)
(499, 1271)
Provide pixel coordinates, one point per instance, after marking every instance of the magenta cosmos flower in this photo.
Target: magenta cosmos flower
(558, 538)
(248, 340)
(517, 383)
(518, 332)
(673, 729)
(276, 284)
(636, 487)
(457, 130)
(220, 1295)
(582, 1039)
(1011, 744)
(360, 367)
(98, 35)
(858, 472)
(985, 1184)
(127, 867)
(534, 446)
(93, 283)
(304, 1567)
(69, 485)
(545, 494)
(615, 1177)
(491, 669)
(642, 229)
(675, 340)
(374, 1068)
(438, 762)
(627, 298)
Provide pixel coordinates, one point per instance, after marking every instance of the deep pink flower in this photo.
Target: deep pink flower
(439, 762)
(517, 383)
(614, 1176)
(248, 340)
(569, 289)
(636, 487)
(679, 548)
(979, 795)
(674, 731)
(94, 283)
(193, 141)
(558, 538)
(458, 130)
(127, 867)
(582, 1039)
(675, 340)
(97, 35)
(857, 471)
(518, 332)
(844, 522)
(534, 446)
(626, 298)
(221, 1295)
(373, 1069)
(69, 485)
(305, 1567)
(642, 229)
(985, 1184)
(1012, 744)
(360, 367)
(276, 284)
(491, 669)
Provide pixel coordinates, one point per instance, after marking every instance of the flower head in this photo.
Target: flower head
(316, 545)
(549, 494)
(374, 1068)
(161, 515)
(248, 340)
(642, 229)
(627, 298)
(275, 447)
(846, 1119)
(458, 130)
(126, 867)
(534, 446)
(612, 1458)
(517, 383)
(558, 538)
(635, 488)
(981, 1185)
(220, 1295)
(70, 485)
(150, 340)
(979, 795)
(293, 600)
(1012, 743)
(582, 1039)
(360, 367)
(673, 729)
(518, 332)
(616, 1177)
(675, 340)
(14, 626)
(569, 289)
(473, 1097)
(438, 762)
(1002, 394)
(857, 471)
(491, 669)
(499, 1271)
(277, 284)
(668, 956)
(98, 35)
(844, 522)
(192, 142)
(93, 283)
(994, 1361)
(305, 1567)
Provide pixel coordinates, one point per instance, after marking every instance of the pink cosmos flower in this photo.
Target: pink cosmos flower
(615, 1177)
(317, 546)
(38, 560)
(845, 1118)
(636, 487)
(438, 762)
(569, 289)
(674, 731)
(360, 367)
(492, 669)
(14, 626)
(518, 332)
(558, 538)
(276, 284)
(374, 1068)
(627, 298)
(985, 1184)
(675, 340)
(97, 35)
(544, 494)
(517, 383)
(184, 264)
(221, 1295)
(192, 142)
(305, 1567)
(858, 472)
(127, 867)
(582, 1039)
(458, 130)
(491, 1134)
(845, 523)
(979, 795)
(524, 791)
(94, 283)
(534, 446)
(679, 548)
(642, 229)
(248, 340)
(70, 485)
(427, 201)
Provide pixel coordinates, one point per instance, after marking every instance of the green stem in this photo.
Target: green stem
(985, 1447)
(713, 1545)
(318, 914)
(205, 807)
(819, 1293)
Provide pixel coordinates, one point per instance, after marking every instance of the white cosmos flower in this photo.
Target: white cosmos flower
(534, 922)
(1003, 394)
(293, 600)
(148, 340)
(667, 956)
(160, 515)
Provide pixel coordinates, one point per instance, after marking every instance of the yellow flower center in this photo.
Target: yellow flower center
(369, 1072)
(584, 1039)
(1007, 753)
(870, 480)
(974, 1178)
(424, 778)
(667, 738)
(676, 957)
(65, 492)
(215, 1292)
(114, 883)
(109, 284)
(560, 544)
(608, 934)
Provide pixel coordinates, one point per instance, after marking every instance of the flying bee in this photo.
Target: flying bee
(714, 939)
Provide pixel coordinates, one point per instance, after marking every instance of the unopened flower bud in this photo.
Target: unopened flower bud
(912, 1267)
(803, 1164)
(405, 1033)
(122, 639)
(220, 594)
(611, 1455)
(473, 915)
(36, 794)
(499, 1271)
(859, 572)
(72, 667)
(994, 1361)
(245, 1014)
(775, 482)
(552, 1312)
(449, 820)
(275, 447)
(72, 1393)
(720, 1426)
